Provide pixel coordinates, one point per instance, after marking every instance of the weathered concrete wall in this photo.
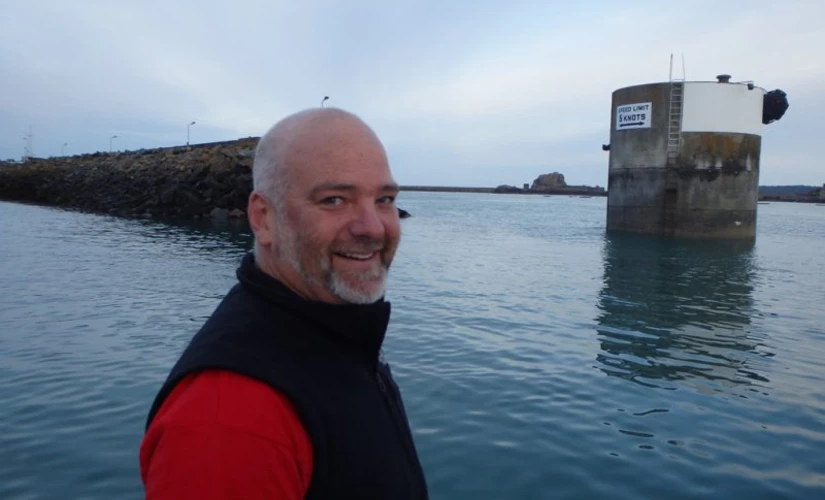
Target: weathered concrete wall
(636, 177)
(718, 151)
(635, 199)
(641, 148)
(696, 198)
(716, 185)
(211, 179)
(710, 190)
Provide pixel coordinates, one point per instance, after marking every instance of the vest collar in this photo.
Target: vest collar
(361, 326)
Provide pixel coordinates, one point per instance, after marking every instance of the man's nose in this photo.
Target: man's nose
(367, 222)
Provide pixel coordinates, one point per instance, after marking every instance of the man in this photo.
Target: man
(282, 394)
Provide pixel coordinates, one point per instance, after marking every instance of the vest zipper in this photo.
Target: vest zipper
(404, 433)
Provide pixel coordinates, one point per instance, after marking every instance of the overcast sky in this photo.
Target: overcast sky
(472, 93)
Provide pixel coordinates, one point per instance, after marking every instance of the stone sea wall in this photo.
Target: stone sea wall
(204, 180)
(199, 181)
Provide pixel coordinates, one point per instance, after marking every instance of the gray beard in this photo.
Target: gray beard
(342, 289)
(331, 280)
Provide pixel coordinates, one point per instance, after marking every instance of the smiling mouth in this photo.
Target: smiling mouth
(356, 256)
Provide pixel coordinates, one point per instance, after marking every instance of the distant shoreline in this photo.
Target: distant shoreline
(790, 198)
(447, 189)
(457, 189)
(786, 198)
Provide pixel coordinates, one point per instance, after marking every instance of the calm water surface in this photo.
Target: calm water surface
(539, 357)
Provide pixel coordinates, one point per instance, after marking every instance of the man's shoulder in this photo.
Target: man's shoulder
(229, 400)
(239, 430)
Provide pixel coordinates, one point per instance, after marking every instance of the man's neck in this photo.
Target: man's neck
(288, 277)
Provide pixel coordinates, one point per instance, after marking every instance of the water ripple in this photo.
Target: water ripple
(538, 358)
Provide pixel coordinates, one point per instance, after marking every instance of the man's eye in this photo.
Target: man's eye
(332, 201)
(386, 200)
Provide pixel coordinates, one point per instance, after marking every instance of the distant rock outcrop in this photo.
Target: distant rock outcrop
(548, 182)
(554, 183)
(505, 188)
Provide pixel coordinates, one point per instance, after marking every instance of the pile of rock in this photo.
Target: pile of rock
(547, 183)
(209, 180)
(507, 189)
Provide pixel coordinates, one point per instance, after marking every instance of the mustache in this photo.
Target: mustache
(362, 244)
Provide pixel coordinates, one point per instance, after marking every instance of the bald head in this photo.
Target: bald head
(296, 139)
(323, 207)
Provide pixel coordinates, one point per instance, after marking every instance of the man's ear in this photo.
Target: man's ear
(259, 212)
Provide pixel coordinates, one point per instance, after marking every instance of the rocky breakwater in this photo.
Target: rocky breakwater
(198, 181)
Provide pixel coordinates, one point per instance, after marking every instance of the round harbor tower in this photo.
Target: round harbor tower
(684, 157)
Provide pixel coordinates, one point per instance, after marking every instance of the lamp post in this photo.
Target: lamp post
(187, 131)
(63, 149)
(324, 99)
(110, 142)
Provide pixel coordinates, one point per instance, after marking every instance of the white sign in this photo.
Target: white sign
(633, 115)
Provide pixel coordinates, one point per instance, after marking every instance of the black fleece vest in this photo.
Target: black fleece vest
(325, 359)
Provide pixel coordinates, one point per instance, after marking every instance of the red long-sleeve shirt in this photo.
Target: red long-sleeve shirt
(221, 435)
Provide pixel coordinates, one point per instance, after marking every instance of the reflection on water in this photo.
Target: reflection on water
(495, 302)
(675, 310)
(207, 234)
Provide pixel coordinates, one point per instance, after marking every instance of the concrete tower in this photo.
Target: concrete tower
(684, 157)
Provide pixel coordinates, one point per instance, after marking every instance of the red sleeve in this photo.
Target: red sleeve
(223, 435)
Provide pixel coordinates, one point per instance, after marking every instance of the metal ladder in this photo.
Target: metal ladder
(674, 144)
(674, 122)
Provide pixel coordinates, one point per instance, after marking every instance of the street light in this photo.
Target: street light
(187, 131)
(324, 99)
(63, 149)
(110, 142)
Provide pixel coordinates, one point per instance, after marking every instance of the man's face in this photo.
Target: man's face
(337, 230)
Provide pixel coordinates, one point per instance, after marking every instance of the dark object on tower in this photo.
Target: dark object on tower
(774, 105)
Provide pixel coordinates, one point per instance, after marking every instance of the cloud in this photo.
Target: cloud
(459, 91)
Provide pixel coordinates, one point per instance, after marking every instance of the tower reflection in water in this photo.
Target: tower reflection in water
(678, 312)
